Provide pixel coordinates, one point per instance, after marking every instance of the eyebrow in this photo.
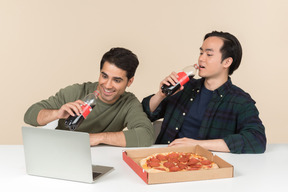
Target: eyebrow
(206, 49)
(115, 78)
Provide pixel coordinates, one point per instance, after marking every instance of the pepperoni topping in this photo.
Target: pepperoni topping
(173, 160)
(184, 159)
(206, 162)
(168, 164)
(154, 164)
(174, 169)
(182, 166)
(155, 160)
(198, 165)
(192, 161)
(173, 155)
(162, 157)
(186, 155)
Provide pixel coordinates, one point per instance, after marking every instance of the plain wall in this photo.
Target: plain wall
(47, 45)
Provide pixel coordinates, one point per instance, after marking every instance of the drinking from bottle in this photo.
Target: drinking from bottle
(73, 122)
(183, 77)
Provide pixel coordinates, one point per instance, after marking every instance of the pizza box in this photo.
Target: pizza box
(133, 156)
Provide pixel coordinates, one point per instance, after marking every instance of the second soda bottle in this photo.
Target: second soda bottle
(73, 122)
(183, 77)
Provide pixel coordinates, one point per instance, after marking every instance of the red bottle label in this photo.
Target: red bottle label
(86, 110)
(183, 78)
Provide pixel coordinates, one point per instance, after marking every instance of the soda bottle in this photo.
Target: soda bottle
(73, 122)
(183, 77)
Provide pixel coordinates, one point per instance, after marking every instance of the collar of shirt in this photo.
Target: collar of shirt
(221, 91)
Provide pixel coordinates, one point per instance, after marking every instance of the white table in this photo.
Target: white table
(252, 172)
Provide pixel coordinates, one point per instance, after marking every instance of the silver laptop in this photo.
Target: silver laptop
(60, 154)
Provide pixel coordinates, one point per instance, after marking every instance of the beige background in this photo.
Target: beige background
(46, 45)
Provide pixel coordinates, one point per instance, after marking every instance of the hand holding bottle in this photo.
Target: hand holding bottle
(171, 85)
(175, 81)
(170, 81)
(72, 108)
(88, 103)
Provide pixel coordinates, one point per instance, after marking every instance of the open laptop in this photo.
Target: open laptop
(60, 154)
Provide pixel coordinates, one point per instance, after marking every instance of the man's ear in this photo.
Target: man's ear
(130, 81)
(227, 62)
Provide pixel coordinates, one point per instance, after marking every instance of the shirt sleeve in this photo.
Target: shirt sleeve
(159, 111)
(140, 131)
(250, 137)
(65, 95)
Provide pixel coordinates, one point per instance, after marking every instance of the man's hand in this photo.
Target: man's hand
(109, 138)
(212, 144)
(184, 142)
(71, 108)
(172, 79)
(48, 115)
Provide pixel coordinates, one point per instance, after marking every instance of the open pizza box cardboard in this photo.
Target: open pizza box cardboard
(133, 156)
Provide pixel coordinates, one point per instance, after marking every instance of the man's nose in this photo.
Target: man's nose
(108, 84)
(201, 57)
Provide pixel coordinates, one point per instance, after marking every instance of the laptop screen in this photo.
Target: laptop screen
(58, 154)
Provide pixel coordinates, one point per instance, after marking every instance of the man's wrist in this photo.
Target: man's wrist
(97, 138)
(46, 116)
(160, 95)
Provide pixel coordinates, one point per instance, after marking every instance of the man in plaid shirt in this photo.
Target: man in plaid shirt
(211, 111)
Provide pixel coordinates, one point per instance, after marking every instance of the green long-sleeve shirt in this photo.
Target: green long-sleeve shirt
(127, 112)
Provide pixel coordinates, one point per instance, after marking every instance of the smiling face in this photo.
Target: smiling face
(210, 59)
(112, 83)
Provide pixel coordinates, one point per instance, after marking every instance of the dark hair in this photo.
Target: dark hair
(231, 48)
(123, 59)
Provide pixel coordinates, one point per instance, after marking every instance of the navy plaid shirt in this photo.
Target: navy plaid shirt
(231, 115)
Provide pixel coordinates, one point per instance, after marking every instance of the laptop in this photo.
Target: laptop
(60, 154)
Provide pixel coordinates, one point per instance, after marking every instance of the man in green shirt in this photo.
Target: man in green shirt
(115, 108)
